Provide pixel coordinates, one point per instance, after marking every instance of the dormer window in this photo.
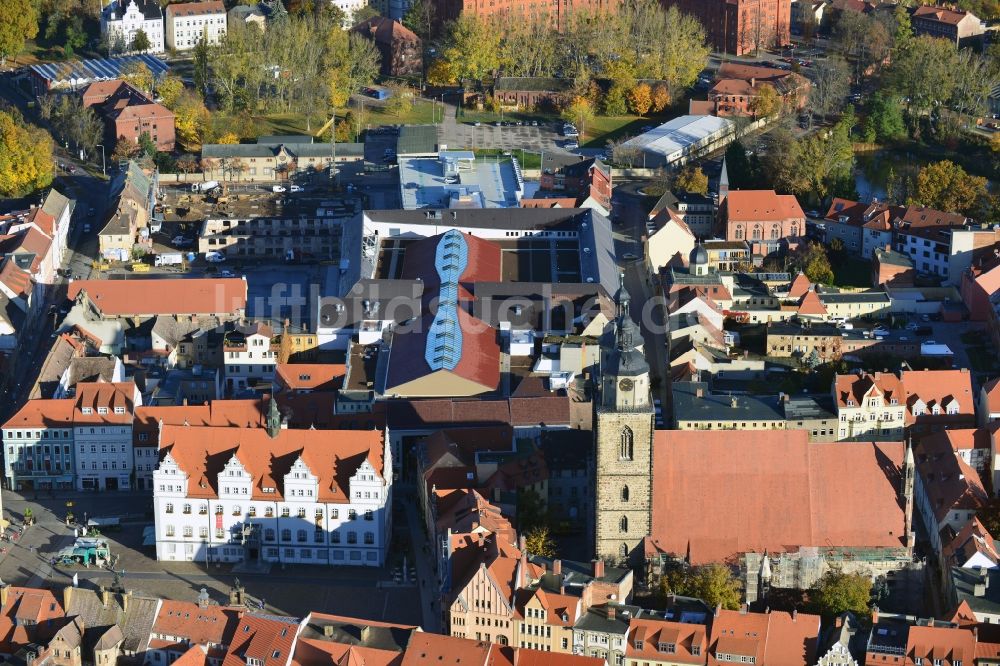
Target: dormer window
(936, 409)
(87, 410)
(102, 410)
(119, 410)
(850, 403)
(668, 648)
(638, 645)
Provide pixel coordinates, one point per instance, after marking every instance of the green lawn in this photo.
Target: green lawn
(423, 113)
(852, 273)
(527, 159)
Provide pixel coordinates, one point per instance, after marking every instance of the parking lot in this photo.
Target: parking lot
(361, 592)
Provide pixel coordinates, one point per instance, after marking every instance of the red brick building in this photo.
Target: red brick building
(737, 86)
(127, 113)
(761, 217)
(583, 178)
(741, 26)
(556, 12)
(892, 268)
(399, 46)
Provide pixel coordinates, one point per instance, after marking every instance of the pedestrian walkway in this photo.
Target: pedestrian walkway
(429, 603)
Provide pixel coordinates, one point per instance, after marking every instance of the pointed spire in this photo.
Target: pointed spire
(273, 418)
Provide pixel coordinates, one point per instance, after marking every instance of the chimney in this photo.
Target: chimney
(888, 247)
(699, 392)
(732, 401)
(597, 568)
(612, 609)
(839, 622)
(795, 614)
(557, 567)
(105, 596)
(522, 543)
(67, 597)
(126, 597)
(366, 633)
(4, 592)
(744, 609)
(328, 630)
(875, 616)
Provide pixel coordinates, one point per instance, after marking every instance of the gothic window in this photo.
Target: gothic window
(624, 551)
(739, 233)
(625, 453)
(757, 232)
(775, 232)
(624, 493)
(623, 524)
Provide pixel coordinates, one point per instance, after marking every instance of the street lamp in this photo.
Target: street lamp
(103, 169)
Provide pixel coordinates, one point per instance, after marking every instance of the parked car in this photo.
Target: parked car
(629, 256)
(571, 145)
(912, 326)
(296, 188)
(215, 257)
(226, 273)
(86, 228)
(181, 241)
(278, 188)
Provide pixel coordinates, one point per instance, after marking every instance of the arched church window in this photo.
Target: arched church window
(624, 493)
(623, 524)
(627, 438)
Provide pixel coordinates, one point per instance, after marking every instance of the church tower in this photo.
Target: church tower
(624, 440)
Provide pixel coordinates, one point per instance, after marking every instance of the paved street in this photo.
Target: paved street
(647, 307)
(362, 592)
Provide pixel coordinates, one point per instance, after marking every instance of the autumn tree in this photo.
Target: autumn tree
(580, 111)
(766, 102)
(169, 88)
(228, 138)
(640, 99)
(190, 120)
(692, 179)
(946, 186)
(125, 150)
(400, 99)
(25, 157)
(539, 542)
(136, 73)
(472, 47)
(439, 73)
(830, 86)
(714, 584)
(814, 262)
(18, 23)
(660, 98)
(837, 592)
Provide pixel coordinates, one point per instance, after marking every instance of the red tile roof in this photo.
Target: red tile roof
(800, 286)
(971, 539)
(167, 296)
(186, 621)
(268, 640)
(427, 649)
(646, 635)
(948, 481)
(854, 388)
(941, 388)
(946, 646)
(805, 494)
(762, 206)
(109, 397)
(811, 304)
(314, 652)
(788, 639)
(942, 14)
(195, 8)
(15, 279)
(333, 456)
(310, 376)
(44, 414)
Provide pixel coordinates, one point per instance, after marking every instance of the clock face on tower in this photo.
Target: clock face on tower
(625, 384)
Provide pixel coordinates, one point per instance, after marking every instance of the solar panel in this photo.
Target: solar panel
(444, 339)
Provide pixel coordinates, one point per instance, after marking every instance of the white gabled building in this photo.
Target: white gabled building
(188, 22)
(273, 495)
(122, 19)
